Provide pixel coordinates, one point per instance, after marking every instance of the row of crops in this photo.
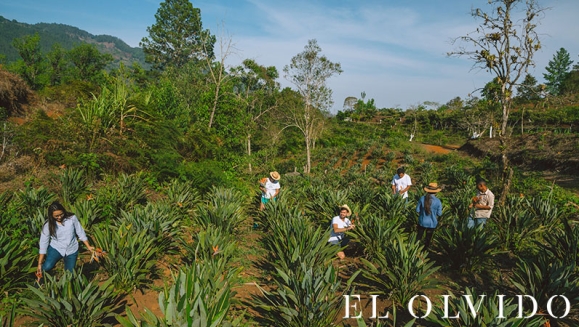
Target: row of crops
(530, 248)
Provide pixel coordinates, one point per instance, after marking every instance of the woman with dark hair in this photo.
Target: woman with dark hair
(58, 239)
(429, 209)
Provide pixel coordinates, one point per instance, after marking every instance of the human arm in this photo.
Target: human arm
(42, 247)
(342, 230)
(81, 234)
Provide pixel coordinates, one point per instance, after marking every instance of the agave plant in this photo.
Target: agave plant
(466, 249)
(72, 300)
(487, 311)
(73, 184)
(310, 296)
(130, 255)
(199, 296)
(15, 262)
(402, 269)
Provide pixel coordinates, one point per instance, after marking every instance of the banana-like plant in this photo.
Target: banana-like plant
(487, 310)
(402, 269)
(310, 296)
(72, 300)
(199, 296)
(129, 255)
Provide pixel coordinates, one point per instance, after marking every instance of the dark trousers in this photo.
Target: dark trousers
(429, 232)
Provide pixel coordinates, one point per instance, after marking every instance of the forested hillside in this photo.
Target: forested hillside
(67, 37)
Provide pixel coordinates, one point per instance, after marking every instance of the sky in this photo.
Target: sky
(394, 51)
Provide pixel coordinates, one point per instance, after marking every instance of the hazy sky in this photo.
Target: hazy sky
(395, 51)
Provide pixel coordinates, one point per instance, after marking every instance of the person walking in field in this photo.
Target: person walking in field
(482, 205)
(269, 187)
(429, 209)
(401, 183)
(58, 239)
(340, 225)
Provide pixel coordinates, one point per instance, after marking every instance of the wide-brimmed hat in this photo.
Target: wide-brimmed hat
(274, 175)
(345, 207)
(432, 188)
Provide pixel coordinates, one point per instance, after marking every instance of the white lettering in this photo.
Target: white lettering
(473, 311)
(501, 307)
(446, 308)
(535, 306)
(428, 306)
(374, 297)
(567, 306)
(347, 309)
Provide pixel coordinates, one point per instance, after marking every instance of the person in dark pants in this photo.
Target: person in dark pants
(429, 209)
(58, 239)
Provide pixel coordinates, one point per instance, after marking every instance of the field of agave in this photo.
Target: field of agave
(530, 247)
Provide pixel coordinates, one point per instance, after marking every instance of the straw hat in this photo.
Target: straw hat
(345, 207)
(274, 175)
(432, 188)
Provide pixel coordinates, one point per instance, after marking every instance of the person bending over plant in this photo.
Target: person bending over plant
(340, 225)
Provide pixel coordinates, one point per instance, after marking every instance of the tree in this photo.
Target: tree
(177, 36)
(309, 71)
(505, 48)
(88, 62)
(256, 88)
(557, 71)
(528, 90)
(32, 67)
(56, 63)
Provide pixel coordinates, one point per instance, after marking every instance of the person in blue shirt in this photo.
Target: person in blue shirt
(58, 239)
(429, 209)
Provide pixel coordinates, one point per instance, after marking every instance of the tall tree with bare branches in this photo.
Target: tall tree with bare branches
(309, 71)
(504, 44)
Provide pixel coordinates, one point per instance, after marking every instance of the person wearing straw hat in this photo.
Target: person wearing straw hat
(269, 187)
(429, 209)
(340, 225)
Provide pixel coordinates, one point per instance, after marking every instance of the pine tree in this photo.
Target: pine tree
(557, 71)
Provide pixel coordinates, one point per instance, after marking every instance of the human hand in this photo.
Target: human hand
(39, 271)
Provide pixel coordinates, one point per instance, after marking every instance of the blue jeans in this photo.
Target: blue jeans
(52, 257)
(476, 221)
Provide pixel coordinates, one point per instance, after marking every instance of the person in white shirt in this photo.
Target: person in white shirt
(340, 225)
(401, 183)
(58, 239)
(269, 187)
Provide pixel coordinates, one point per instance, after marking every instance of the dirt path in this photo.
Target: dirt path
(438, 149)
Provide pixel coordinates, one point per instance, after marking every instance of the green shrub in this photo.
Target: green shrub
(72, 185)
(17, 258)
(223, 209)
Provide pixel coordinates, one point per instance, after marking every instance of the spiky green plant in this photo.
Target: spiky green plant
(88, 212)
(309, 296)
(325, 203)
(158, 220)
(208, 245)
(224, 209)
(392, 207)
(563, 243)
(30, 200)
(542, 277)
(8, 319)
(15, 262)
(372, 232)
(466, 249)
(72, 300)
(124, 193)
(199, 296)
(516, 227)
(72, 185)
(130, 255)
(486, 312)
(402, 269)
(182, 194)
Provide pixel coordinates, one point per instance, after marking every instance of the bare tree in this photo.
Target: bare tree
(309, 72)
(504, 47)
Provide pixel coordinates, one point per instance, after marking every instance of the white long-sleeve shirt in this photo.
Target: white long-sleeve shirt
(65, 239)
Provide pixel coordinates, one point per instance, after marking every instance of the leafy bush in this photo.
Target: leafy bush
(208, 245)
(182, 194)
(72, 185)
(31, 200)
(324, 203)
(88, 212)
(223, 209)
(72, 300)
(373, 232)
(15, 262)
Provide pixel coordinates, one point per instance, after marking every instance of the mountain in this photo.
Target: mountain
(68, 37)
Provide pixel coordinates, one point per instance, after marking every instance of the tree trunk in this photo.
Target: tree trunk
(308, 156)
(249, 151)
(507, 171)
(215, 101)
